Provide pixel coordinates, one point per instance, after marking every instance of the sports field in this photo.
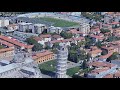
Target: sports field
(59, 22)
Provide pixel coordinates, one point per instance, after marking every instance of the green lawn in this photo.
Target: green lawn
(59, 22)
(47, 66)
(72, 71)
(1, 47)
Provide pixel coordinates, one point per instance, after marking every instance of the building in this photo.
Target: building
(104, 57)
(84, 28)
(66, 41)
(42, 39)
(62, 55)
(96, 38)
(7, 51)
(101, 69)
(39, 28)
(17, 44)
(53, 29)
(22, 66)
(57, 37)
(26, 27)
(4, 22)
(76, 33)
(94, 51)
(12, 27)
(43, 56)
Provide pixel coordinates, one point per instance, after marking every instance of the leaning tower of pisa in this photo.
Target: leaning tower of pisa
(62, 56)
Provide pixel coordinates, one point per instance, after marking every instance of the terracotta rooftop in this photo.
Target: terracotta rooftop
(101, 64)
(41, 54)
(37, 38)
(106, 56)
(6, 43)
(97, 37)
(67, 40)
(74, 31)
(114, 23)
(108, 76)
(97, 71)
(45, 36)
(6, 49)
(17, 43)
(117, 74)
(56, 36)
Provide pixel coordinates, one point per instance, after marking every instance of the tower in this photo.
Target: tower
(62, 55)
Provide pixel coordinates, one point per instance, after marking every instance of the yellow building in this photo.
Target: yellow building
(43, 56)
(6, 52)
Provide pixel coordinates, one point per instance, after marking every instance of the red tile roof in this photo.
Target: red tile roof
(17, 43)
(117, 74)
(97, 37)
(106, 56)
(74, 31)
(56, 36)
(37, 38)
(6, 49)
(97, 71)
(114, 23)
(41, 54)
(45, 36)
(108, 76)
(6, 43)
(101, 64)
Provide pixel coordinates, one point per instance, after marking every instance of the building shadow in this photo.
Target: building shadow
(49, 73)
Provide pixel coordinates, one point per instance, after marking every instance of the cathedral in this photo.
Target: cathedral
(22, 66)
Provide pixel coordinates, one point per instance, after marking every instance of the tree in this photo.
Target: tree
(104, 30)
(37, 47)
(112, 57)
(56, 45)
(31, 41)
(84, 64)
(66, 35)
(104, 52)
(47, 47)
(98, 44)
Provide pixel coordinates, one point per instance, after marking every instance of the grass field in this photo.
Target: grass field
(59, 22)
(48, 67)
(1, 47)
(72, 71)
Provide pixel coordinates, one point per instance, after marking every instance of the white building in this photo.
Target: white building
(62, 56)
(26, 27)
(53, 29)
(39, 28)
(12, 27)
(4, 22)
(84, 28)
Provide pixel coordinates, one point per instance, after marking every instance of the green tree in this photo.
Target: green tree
(47, 47)
(66, 35)
(84, 64)
(99, 44)
(37, 47)
(55, 45)
(104, 52)
(31, 41)
(104, 30)
(112, 57)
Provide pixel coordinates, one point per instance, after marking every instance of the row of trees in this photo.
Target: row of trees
(66, 35)
(94, 16)
(37, 46)
(75, 54)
